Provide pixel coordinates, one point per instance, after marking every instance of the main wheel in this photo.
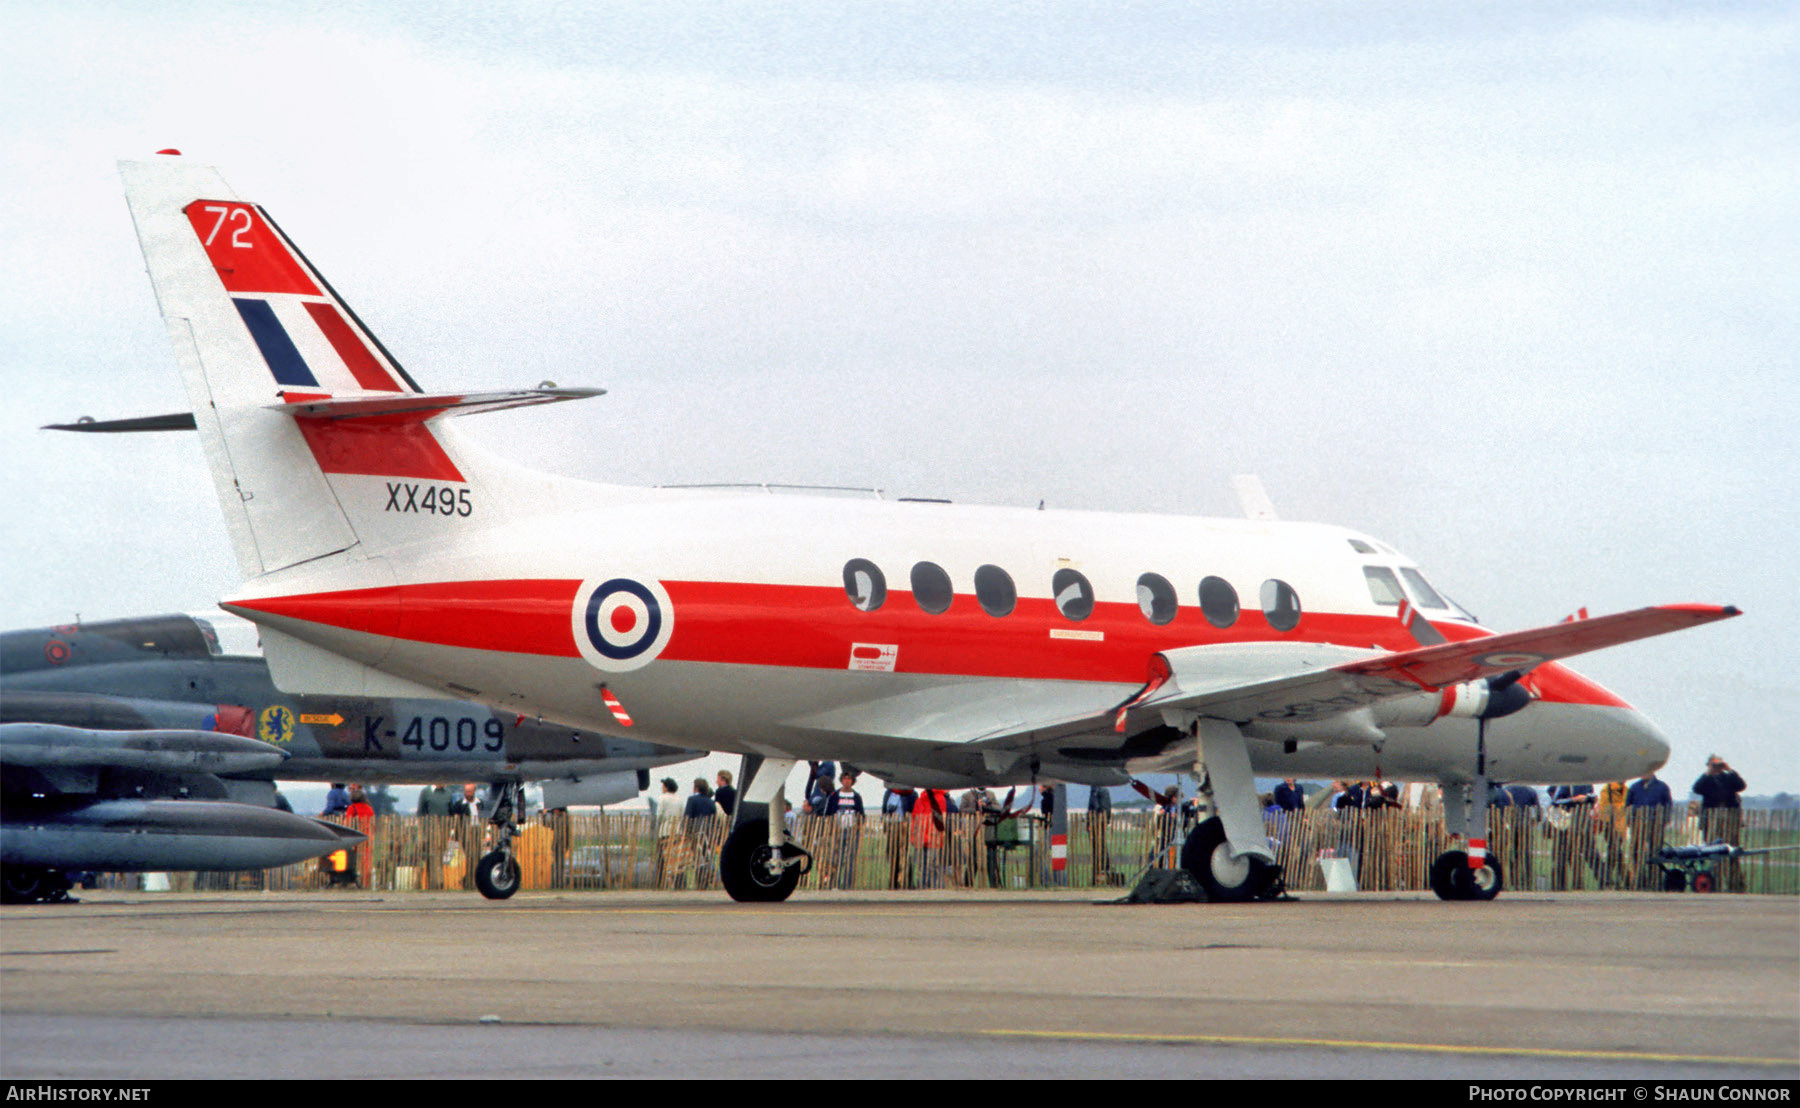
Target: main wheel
(497, 875)
(1443, 874)
(1705, 882)
(1207, 855)
(1674, 881)
(744, 869)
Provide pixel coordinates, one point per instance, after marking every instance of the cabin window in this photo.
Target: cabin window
(1384, 587)
(865, 584)
(1156, 598)
(1422, 593)
(1218, 602)
(994, 589)
(1280, 605)
(1074, 595)
(931, 587)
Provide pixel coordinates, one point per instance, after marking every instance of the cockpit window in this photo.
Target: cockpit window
(1384, 587)
(865, 584)
(1074, 595)
(1423, 594)
(1361, 547)
(931, 587)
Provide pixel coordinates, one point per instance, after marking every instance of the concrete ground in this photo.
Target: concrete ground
(897, 984)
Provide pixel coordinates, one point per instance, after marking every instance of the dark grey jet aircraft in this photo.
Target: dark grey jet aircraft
(84, 799)
(162, 673)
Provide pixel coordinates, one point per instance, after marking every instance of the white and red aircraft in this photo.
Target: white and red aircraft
(933, 644)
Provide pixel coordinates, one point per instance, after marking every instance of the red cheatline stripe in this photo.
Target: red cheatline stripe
(814, 627)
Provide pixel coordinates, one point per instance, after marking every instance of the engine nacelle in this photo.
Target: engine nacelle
(1487, 698)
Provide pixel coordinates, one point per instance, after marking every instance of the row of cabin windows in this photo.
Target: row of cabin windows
(866, 586)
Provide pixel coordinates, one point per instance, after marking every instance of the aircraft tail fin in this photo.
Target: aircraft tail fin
(318, 440)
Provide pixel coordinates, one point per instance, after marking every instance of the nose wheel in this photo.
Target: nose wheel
(497, 874)
(1452, 878)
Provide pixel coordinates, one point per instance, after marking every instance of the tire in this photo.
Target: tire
(23, 886)
(1674, 881)
(1207, 856)
(1443, 874)
(1705, 882)
(1484, 883)
(742, 868)
(497, 875)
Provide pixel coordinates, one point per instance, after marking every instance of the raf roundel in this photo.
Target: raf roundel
(621, 623)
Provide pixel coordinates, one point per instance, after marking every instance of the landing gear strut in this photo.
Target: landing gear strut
(497, 873)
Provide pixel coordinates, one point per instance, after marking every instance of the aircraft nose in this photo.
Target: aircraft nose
(1651, 746)
(1631, 745)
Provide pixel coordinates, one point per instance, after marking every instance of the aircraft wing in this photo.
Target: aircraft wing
(1288, 682)
(1314, 692)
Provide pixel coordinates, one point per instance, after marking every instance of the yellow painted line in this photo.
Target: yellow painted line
(1354, 1044)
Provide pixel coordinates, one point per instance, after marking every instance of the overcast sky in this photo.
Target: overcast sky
(1510, 286)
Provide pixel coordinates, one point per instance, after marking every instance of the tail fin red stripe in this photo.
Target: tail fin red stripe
(368, 372)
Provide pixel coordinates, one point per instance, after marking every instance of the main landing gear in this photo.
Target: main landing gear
(1228, 853)
(755, 870)
(497, 873)
(1207, 855)
(758, 864)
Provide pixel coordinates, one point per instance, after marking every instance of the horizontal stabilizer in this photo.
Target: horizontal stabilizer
(412, 407)
(174, 421)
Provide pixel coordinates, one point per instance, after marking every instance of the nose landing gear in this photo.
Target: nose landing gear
(1453, 878)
